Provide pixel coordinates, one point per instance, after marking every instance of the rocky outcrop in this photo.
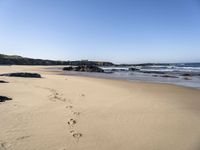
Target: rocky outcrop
(4, 98)
(22, 74)
(2, 81)
(89, 63)
(83, 68)
(70, 68)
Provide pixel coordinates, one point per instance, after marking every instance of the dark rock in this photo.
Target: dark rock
(84, 68)
(70, 68)
(2, 81)
(116, 70)
(4, 98)
(87, 68)
(187, 75)
(22, 74)
(155, 75)
(169, 76)
(154, 72)
(133, 69)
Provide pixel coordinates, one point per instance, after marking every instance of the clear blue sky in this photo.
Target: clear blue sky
(121, 31)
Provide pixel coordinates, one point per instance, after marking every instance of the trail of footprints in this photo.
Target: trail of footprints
(73, 120)
(54, 96)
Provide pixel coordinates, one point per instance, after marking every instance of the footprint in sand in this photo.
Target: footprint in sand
(4, 146)
(56, 96)
(72, 122)
(77, 113)
(23, 137)
(69, 107)
(72, 131)
(76, 135)
(82, 95)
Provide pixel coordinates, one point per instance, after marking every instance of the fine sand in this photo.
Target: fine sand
(60, 112)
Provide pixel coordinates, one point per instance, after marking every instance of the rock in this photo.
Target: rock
(2, 81)
(116, 70)
(155, 75)
(187, 75)
(70, 68)
(22, 74)
(153, 72)
(133, 69)
(169, 76)
(84, 68)
(4, 98)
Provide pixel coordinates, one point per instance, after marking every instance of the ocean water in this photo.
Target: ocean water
(187, 74)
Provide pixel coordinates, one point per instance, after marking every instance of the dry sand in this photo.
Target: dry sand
(79, 113)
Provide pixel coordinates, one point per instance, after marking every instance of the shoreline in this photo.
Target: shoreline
(132, 81)
(148, 78)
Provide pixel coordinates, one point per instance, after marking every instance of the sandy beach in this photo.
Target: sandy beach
(60, 112)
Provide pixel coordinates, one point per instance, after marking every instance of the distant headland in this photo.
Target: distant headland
(19, 60)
